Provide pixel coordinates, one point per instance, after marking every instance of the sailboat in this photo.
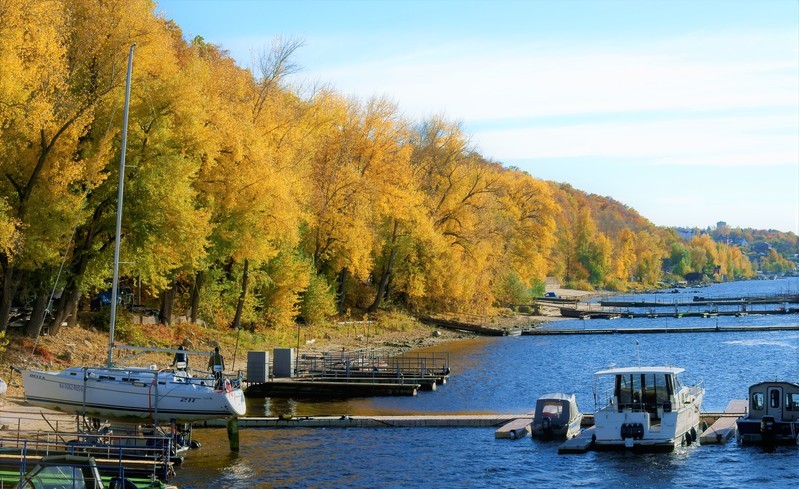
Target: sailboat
(133, 393)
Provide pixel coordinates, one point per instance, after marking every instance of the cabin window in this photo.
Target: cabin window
(792, 401)
(553, 410)
(758, 401)
(774, 398)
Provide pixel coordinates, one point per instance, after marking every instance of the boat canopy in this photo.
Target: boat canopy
(641, 370)
(558, 405)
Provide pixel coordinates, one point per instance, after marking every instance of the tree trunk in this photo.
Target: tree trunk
(34, 327)
(195, 296)
(72, 319)
(387, 271)
(167, 300)
(9, 290)
(342, 290)
(243, 296)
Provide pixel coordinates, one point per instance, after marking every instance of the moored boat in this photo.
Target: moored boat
(647, 408)
(134, 393)
(773, 417)
(556, 415)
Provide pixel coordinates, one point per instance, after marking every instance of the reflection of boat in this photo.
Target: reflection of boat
(646, 408)
(556, 415)
(125, 393)
(773, 416)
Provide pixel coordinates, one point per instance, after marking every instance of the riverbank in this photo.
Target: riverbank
(89, 346)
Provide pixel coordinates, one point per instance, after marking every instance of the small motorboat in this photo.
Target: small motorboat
(773, 417)
(556, 416)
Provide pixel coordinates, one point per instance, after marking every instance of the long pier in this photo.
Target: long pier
(652, 330)
(455, 420)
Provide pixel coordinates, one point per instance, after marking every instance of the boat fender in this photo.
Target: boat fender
(704, 426)
(687, 440)
(228, 388)
(512, 434)
(638, 431)
(195, 444)
(693, 435)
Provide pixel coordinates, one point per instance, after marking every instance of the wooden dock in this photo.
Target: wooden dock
(579, 444)
(352, 421)
(652, 330)
(725, 426)
(313, 388)
(518, 428)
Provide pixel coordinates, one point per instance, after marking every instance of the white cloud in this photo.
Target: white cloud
(758, 141)
(490, 81)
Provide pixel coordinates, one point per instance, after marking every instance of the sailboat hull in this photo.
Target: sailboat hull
(132, 394)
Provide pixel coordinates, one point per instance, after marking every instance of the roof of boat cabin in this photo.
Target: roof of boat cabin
(556, 396)
(775, 383)
(641, 370)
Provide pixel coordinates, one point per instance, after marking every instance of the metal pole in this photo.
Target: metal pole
(115, 280)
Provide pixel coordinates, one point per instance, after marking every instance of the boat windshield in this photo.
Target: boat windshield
(643, 392)
(552, 409)
(55, 476)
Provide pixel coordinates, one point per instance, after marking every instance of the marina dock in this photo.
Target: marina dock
(725, 427)
(360, 373)
(652, 330)
(454, 420)
(354, 421)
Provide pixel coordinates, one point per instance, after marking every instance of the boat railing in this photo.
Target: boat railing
(375, 363)
(114, 452)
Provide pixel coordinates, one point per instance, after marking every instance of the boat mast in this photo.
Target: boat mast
(115, 279)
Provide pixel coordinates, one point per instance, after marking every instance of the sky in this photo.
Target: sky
(685, 110)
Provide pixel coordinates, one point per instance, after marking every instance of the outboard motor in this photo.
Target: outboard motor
(546, 427)
(768, 430)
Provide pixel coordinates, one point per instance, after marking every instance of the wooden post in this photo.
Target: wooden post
(233, 433)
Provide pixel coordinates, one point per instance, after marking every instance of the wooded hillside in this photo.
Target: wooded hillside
(249, 200)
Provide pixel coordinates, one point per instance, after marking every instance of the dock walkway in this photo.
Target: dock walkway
(725, 426)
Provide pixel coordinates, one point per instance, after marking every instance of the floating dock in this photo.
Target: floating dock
(725, 426)
(652, 330)
(320, 388)
(360, 373)
(518, 428)
(579, 444)
(351, 421)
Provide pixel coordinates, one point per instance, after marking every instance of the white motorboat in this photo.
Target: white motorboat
(773, 417)
(111, 392)
(132, 393)
(646, 408)
(556, 415)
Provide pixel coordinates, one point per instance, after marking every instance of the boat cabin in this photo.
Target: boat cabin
(779, 400)
(650, 389)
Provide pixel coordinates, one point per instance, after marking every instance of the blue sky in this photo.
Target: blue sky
(687, 111)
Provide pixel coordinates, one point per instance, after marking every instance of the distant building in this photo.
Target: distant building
(686, 234)
(761, 248)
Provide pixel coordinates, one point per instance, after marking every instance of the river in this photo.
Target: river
(506, 375)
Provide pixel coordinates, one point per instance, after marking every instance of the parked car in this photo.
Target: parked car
(103, 299)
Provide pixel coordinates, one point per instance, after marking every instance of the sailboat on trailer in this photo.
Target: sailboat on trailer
(133, 393)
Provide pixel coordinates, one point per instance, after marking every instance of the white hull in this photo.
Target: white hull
(669, 431)
(132, 394)
(647, 409)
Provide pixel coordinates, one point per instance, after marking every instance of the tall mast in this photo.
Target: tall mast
(115, 280)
